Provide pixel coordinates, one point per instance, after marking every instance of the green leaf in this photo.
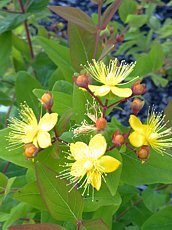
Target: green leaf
(63, 86)
(5, 51)
(161, 220)
(61, 204)
(75, 16)
(156, 170)
(94, 224)
(79, 104)
(101, 198)
(168, 112)
(16, 213)
(31, 195)
(37, 5)
(154, 200)
(4, 99)
(62, 101)
(64, 122)
(59, 55)
(82, 44)
(11, 21)
(15, 156)
(25, 83)
(113, 179)
(127, 7)
(37, 227)
(136, 20)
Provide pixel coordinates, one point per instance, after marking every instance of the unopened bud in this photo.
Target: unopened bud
(30, 150)
(138, 89)
(143, 153)
(137, 105)
(82, 81)
(119, 38)
(101, 123)
(47, 100)
(118, 139)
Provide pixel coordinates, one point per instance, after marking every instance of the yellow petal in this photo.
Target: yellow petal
(44, 139)
(100, 90)
(137, 139)
(108, 164)
(94, 178)
(48, 121)
(79, 150)
(136, 124)
(121, 92)
(77, 169)
(97, 146)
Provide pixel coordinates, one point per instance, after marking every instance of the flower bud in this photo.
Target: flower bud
(137, 105)
(138, 89)
(119, 38)
(143, 153)
(82, 81)
(47, 100)
(101, 123)
(30, 150)
(118, 139)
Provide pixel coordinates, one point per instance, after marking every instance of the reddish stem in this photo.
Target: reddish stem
(95, 97)
(27, 31)
(117, 102)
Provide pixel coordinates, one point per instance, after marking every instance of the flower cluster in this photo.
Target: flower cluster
(88, 164)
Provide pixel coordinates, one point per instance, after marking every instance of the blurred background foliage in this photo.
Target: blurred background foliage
(37, 50)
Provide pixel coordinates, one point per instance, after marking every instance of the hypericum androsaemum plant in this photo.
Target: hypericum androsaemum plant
(68, 165)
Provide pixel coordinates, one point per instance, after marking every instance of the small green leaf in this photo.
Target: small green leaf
(61, 204)
(4, 99)
(37, 5)
(63, 86)
(82, 45)
(94, 224)
(31, 195)
(127, 7)
(157, 169)
(11, 21)
(136, 20)
(25, 83)
(15, 156)
(37, 227)
(59, 55)
(75, 16)
(161, 220)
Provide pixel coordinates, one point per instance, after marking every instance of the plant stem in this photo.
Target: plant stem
(105, 108)
(98, 28)
(27, 31)
(95, 97)
(111, 148)
(117, 102)
(6, 167)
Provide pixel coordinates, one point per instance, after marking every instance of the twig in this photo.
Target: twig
(105, 108)
(98, 28)
(117, 102)
(96, 98)
(27, 31)
(6, 167)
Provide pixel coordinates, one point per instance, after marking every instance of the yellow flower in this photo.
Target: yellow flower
(153, 133)
(28, 130)
(110, 76)
(90, 162)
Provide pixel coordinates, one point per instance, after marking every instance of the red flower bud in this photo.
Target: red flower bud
(138, 89)
(118, 139)
(47, 101)
(137, 105)
(30, 150)
(82, 81)
(143, 153)
(101, 123)
(119, 38)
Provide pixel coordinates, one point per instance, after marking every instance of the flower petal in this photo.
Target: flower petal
(48, 121)
(79, 150)
(94, 178)
(100, 90)
(121, 92)
(77, 169)
(109, 164)
(135, 123)
(44, 139)
(137, 139)
(97, 146)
